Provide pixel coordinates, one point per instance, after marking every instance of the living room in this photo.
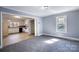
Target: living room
(55, 28)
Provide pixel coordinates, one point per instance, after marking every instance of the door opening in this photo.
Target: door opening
(16, 29)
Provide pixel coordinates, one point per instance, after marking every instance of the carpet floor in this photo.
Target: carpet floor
(43, 44)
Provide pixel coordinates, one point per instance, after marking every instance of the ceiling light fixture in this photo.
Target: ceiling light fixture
(44, 7)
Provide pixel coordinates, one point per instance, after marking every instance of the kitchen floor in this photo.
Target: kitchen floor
(43, 44)
(15, 38)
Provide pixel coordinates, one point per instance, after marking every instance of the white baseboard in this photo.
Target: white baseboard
(62, 37)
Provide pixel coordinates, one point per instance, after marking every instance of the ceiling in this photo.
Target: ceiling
(10, 17)
(41, 11)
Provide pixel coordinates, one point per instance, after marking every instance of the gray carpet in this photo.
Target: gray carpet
(44, 44)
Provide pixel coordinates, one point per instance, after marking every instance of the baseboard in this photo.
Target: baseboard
(70, 38)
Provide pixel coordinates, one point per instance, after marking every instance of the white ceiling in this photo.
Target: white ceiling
(41, 12)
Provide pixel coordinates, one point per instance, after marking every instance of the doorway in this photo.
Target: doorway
(17, 28)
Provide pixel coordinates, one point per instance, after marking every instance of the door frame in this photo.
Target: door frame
(35, 25)
(1, 32)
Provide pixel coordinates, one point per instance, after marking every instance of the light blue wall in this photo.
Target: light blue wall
(49, 24)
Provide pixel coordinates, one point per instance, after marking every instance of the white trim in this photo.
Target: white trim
(1, 33)
(70, 38)
(35, 24)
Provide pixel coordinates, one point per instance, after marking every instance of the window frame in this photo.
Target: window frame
(65, 22)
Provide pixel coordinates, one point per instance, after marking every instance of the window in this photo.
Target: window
(61, 24)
